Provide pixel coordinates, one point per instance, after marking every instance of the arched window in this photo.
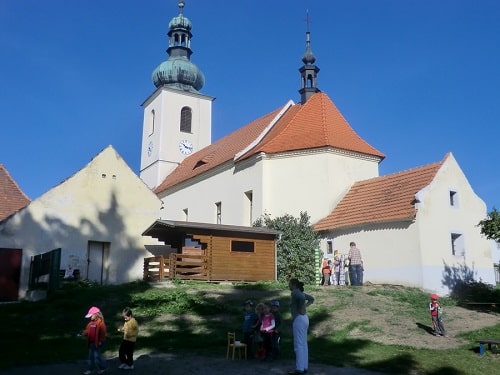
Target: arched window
(186, 116)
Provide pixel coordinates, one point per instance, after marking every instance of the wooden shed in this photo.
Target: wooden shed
(212, 252)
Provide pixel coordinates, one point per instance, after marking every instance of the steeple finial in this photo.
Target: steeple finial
(309, 71)
(181, 6)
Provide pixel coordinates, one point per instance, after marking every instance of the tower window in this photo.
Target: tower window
(186, 117)
(152, 122)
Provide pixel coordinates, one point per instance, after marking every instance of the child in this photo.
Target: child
(437, 322)
(130, 330)
(326, 271)
(250, 319)
(267, 330)
(96, 336)
(275, 309)
(258, 338)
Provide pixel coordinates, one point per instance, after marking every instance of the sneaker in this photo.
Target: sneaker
(126, 367)
(122, 365)
(88, 372)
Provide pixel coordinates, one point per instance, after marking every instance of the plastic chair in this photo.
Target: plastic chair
(233, 344)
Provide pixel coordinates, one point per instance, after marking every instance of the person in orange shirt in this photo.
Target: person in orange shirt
(95, 331)
(326, 272)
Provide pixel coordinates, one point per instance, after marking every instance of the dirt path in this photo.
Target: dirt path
(171, 364)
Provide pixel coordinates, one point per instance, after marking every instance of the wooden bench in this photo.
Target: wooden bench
(76, 275)
(490, 342)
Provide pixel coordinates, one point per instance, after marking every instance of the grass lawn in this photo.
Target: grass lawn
(383, 328)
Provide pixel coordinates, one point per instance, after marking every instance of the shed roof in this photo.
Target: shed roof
(164, 230)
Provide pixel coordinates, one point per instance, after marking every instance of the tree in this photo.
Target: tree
(296, 247)
(490, 227)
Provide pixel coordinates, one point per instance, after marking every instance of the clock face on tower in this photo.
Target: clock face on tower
(185, 147)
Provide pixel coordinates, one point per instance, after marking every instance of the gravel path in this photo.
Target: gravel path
(172, 364)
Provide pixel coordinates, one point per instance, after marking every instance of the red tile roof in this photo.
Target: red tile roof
(12, 199)
(316, 124)
(381, 199)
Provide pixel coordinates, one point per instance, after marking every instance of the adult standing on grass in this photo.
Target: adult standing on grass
(300, 324)
(356, 265)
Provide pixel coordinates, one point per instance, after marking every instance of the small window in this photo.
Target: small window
(218, 210)
(329, 247)
(249, 206)
(243, 246)
(453, 198)
(457, 245)
(186, 116)
(152, 118)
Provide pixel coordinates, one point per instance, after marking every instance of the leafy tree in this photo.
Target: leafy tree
(490, 227)
(296, 247)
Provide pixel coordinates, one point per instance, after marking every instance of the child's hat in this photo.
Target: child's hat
(93, 310)
(275, 303)
(434, 296)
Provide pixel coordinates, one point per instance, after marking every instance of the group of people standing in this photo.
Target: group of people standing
(343, 269)
(261, 324)
(261, 329)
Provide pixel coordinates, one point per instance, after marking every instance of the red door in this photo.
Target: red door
(10, 272)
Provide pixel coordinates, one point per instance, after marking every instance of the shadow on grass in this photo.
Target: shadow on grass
(426, 328)
(185, 317)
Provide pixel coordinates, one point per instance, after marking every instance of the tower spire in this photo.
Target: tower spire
(309, 71)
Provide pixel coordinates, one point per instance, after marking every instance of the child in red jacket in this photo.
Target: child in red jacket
(437, 322)
(96, 336)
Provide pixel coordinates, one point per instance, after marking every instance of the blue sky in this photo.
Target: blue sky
(416, 79)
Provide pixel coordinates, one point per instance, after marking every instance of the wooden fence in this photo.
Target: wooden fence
(178, 266)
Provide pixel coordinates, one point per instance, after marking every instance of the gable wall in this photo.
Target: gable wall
(88, 207)
(437, 219)
(419, 254)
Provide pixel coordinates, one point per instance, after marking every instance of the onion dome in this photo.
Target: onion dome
(178, 72)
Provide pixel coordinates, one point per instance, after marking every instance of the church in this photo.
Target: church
(416, 227)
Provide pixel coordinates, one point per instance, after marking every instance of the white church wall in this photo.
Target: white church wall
(312, 182)
(279, 185)
(226, 187)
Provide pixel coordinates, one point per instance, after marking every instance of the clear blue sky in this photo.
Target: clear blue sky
(414, 78)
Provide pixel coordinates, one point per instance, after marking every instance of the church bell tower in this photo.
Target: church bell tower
(177, 117)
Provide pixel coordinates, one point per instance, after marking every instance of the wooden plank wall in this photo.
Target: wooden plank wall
(240, 266)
